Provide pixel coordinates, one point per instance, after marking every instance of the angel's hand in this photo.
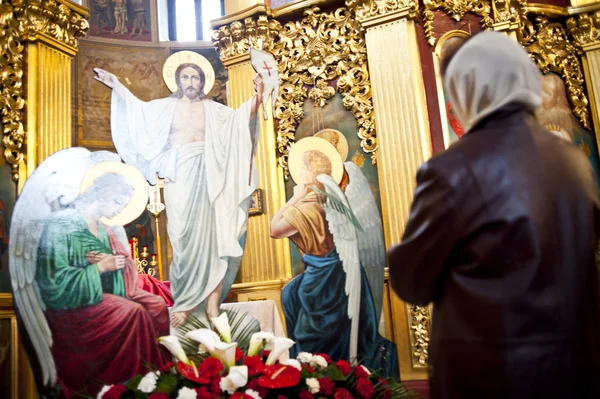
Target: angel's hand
(105, 77)
(95, 257)
(111, 263)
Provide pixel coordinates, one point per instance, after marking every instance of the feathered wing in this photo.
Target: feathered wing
(345, 238)
(371, 243)
(54, 184)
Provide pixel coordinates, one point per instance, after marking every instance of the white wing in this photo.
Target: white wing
(371, 243)
(53, 185)
(345, 239)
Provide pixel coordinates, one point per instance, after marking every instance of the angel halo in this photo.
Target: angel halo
(138, 202)
(184, 57)
(336, 138)
(296, 158)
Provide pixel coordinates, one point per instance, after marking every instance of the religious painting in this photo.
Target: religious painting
(338, 125)
(8, 355)
(86, 315)
(218, 92)
(451, 127)
(141, 229)
(8, 196)
(204, 153)
(335, 305)
(138, 69)
(557, 116)
(117, 20)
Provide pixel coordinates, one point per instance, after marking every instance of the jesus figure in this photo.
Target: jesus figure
(204, 152)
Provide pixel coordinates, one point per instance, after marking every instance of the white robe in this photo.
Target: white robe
(206, 187)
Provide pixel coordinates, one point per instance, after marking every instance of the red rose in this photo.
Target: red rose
(324, 356)
(365, 388)
(215, 386)
(114, 392)
(202, 393)
(279, 376)
(327, 386)
(239, 355)
(308, 368)
(255, 365)
(387, 394)
(189, 373)
(262, 391)
(210, 367)
(158, 395)
(341, 393)
(239, 395)
(344, 366)
(306, 395)
(360, 372)
(166, 368)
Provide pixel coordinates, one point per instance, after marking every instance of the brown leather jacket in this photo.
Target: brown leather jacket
(501, 238)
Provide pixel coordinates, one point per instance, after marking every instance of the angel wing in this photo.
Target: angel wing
(371, 244)
(52, 186)
(345, 238)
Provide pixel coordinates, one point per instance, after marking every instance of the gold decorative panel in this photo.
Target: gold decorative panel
(318, 55)
(456, 9)
(549, 46)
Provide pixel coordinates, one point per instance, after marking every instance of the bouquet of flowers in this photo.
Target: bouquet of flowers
(221, 369)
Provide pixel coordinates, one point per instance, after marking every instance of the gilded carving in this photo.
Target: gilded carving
(20, 21)
(238, 37)
(504, 11)
(372, 8)
(584, 28)
(456, 9)
(419, 325)
(549, 46)
(316, 55)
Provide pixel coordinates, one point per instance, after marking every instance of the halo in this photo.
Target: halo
(342, 145)
(138, 202)
(182, 57)
(296, 161)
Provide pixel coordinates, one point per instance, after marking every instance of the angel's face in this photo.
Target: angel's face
(112, 206)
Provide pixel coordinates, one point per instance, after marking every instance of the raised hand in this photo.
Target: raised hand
(259, 85)
(106, 77)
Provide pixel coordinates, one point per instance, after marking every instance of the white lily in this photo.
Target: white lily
(237, 377)
(280, 345)
(221, 323)
(257, 340)
(292, 363)
(206, 337)
(172, 344)
(225, 353)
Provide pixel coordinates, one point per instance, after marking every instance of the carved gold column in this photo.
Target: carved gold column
(266, 262)
(585, 30)
(404, 144)
(41, 38)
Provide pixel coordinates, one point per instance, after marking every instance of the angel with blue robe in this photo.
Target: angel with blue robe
(334, 307)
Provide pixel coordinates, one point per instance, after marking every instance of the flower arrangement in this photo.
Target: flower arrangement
(221, 369)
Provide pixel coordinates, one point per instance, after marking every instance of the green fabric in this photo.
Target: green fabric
(65, 278)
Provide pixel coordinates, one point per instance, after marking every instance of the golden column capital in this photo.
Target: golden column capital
(233, 39)
(58, 23)
(585, 30)
(375, 12)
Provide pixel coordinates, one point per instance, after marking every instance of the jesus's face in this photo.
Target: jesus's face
(189, 83)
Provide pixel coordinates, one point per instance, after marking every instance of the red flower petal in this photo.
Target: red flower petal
(239, 355)
(365, 388)
(344, 367)
(360, 372)
(210, 367)
(188, 373)
(305, 395)
(327, 386)
(279, 376)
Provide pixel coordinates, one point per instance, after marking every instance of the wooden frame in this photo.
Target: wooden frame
(256, 203)
(13, 366)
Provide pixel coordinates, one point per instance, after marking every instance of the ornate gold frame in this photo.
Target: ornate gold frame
(438, 78)
(14, 351)
(315, 51)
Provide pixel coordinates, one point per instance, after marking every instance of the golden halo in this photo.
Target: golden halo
(342, 143)
(183, 57)
(138, 202)
(296, 157)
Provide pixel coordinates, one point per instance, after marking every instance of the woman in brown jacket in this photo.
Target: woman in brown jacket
(501, 238)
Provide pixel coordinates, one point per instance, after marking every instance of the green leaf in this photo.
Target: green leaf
(334, 373)
(168, 383)
(134, 382)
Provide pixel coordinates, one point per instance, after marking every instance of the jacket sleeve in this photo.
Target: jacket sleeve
(417, 266)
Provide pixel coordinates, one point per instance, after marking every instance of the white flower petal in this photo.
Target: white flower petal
(254, 394)
(280, 345)
(172, 344)
(313, 385)
(103, 391)
(186, 393)
(292, 362)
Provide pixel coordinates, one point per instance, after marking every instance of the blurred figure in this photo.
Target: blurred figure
(501, 238)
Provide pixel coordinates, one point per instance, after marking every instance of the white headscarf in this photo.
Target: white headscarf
(488, 72)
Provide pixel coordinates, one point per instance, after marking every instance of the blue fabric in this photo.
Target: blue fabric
(315, 307)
